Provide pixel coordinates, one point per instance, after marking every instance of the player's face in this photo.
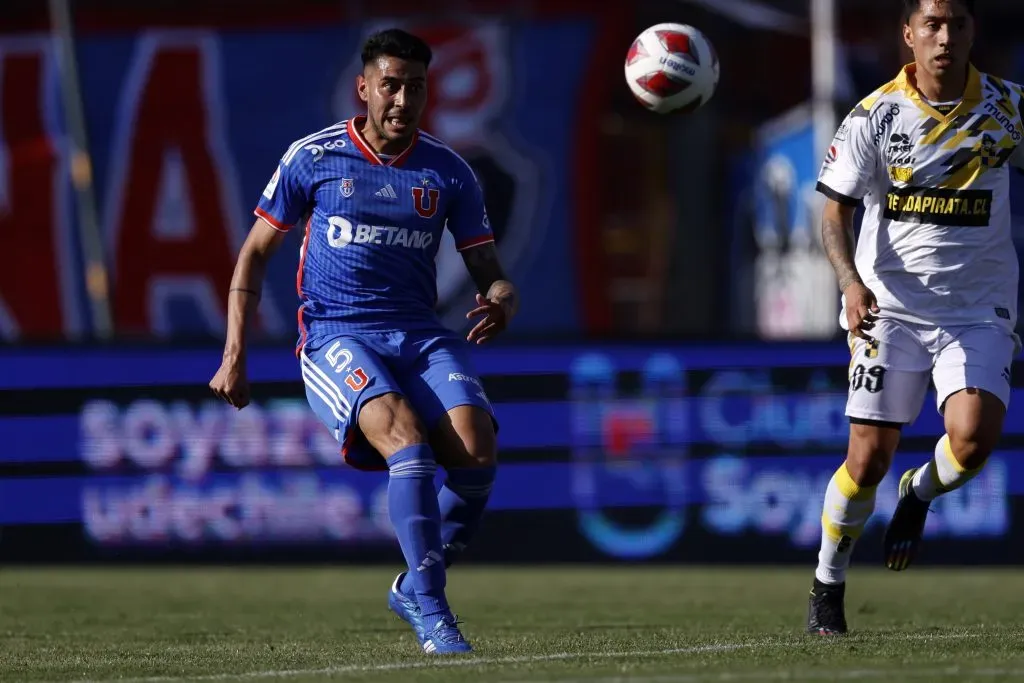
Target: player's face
(395, 92)
(941, 34)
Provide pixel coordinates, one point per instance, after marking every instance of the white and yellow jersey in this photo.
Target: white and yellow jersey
(935, 244)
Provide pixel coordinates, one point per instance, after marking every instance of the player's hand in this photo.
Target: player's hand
(495, 319)
(231, 384)
(861, 310)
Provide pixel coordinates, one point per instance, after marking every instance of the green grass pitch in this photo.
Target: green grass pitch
(652, 625)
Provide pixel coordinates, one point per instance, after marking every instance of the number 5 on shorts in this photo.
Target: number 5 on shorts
(340, 358)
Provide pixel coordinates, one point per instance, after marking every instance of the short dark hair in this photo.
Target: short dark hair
(911, 6)
(394, 42)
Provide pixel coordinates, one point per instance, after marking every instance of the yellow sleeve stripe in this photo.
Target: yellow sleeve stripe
(873, 98)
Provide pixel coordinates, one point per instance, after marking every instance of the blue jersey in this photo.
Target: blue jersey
(373, 226)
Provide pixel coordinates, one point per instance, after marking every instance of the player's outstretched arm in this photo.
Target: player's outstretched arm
(497, 300)
(231, 383)
(837, 239)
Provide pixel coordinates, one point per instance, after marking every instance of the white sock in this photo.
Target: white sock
(943, 474)
(847, 509)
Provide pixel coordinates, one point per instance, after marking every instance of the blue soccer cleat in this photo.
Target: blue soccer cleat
(407, 609)
(445, 638)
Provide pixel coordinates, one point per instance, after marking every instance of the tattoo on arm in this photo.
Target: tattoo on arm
(488, 275)
(837, 239)
(247, 284)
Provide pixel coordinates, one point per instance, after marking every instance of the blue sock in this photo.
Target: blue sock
(412, 505)
(462, 501)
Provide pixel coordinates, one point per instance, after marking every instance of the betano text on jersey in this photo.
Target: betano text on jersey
(373, 227)
(935, 244)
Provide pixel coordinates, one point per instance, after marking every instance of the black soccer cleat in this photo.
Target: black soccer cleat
(826, 615)
(903, 537)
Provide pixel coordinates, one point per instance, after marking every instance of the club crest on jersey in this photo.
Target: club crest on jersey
(901, 174)
(271, 187)
(989, 152)
(347, 187)
(424, 200)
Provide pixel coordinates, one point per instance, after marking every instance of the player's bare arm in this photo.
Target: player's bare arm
(497, 300)
(230, 383)
(837, 239)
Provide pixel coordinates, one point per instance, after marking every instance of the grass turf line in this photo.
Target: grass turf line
(528, 624)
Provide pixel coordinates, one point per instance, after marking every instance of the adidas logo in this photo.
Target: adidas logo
(387, 192)
(432, 558)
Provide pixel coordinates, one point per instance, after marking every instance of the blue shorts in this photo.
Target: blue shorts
(432, 371)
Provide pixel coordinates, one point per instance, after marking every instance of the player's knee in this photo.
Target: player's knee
(972, 445)
(970, 451)
(870, 453)
(466, 439)
(481, 449)
(474, 448)
(974, 422)
(389, 424)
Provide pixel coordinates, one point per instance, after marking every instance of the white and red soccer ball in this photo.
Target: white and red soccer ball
(672, 67)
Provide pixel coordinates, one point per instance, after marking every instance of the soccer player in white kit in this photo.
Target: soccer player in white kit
(931, 290)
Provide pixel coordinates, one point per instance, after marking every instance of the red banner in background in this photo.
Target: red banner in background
(119, 15)
(162, 242)
(614, 32)
(33, 207)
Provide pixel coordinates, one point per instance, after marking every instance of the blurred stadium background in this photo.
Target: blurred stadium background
(672, 391)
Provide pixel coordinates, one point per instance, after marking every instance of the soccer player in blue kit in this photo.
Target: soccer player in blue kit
(396, 388)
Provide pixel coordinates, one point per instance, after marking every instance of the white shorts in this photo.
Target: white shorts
(889, 380)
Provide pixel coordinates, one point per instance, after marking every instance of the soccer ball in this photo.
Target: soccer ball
(672, 67)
